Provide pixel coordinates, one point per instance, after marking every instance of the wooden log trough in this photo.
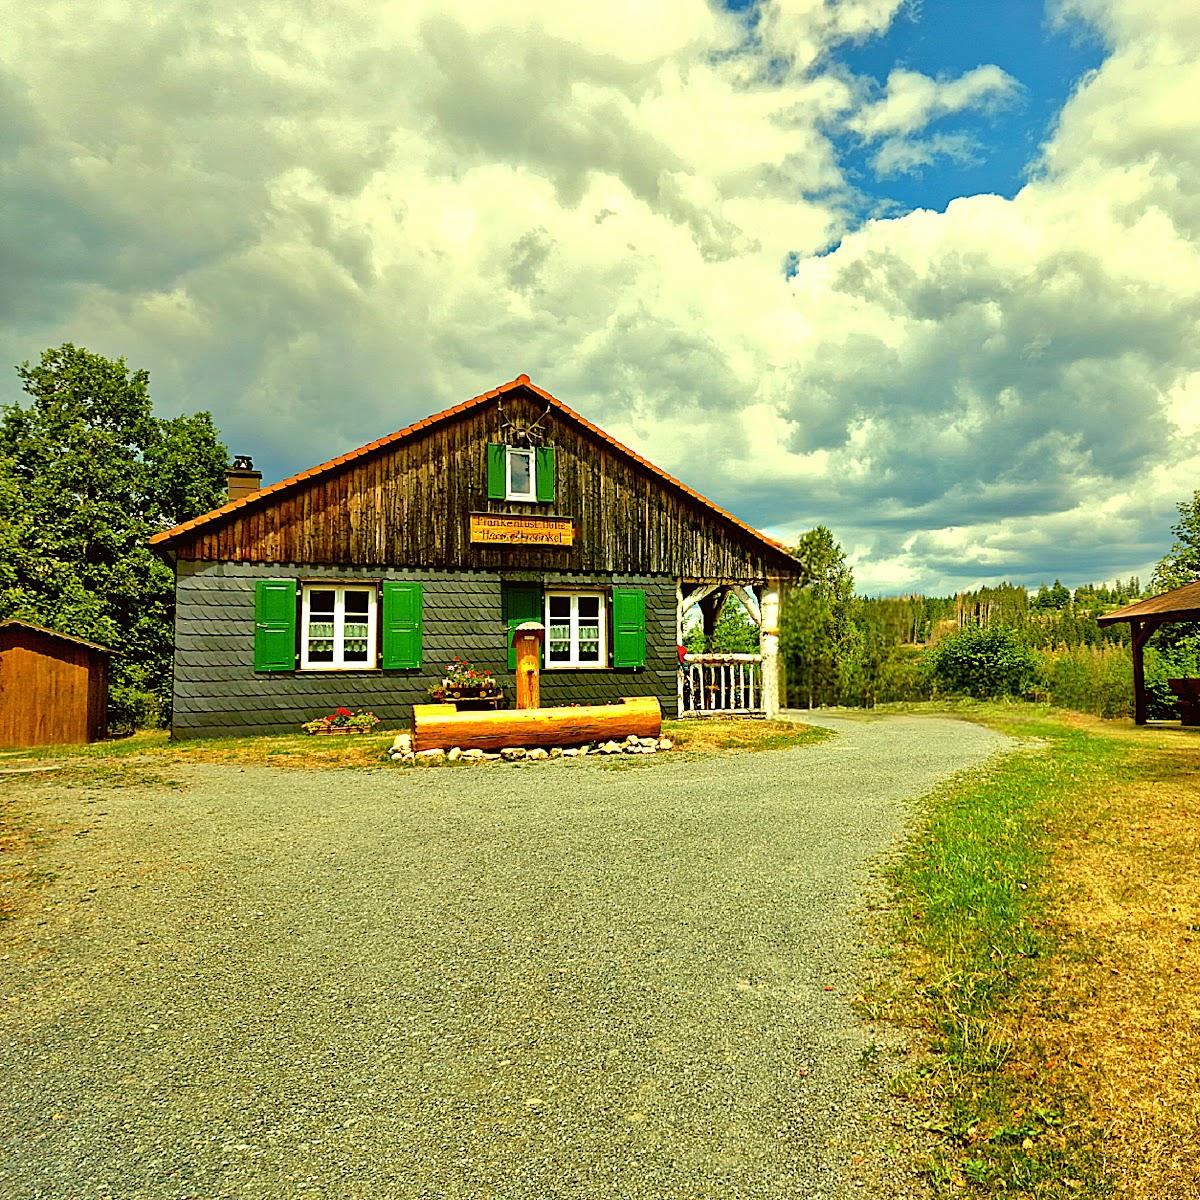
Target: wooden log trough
(442, 726)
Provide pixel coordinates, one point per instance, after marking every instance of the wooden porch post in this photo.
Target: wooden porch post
(768, 607)
(678, 643)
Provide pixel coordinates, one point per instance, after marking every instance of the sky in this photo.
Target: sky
(923, 271)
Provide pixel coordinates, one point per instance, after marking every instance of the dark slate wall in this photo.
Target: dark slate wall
(218, 693)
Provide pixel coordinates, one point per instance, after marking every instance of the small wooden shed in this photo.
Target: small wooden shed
(53, 687)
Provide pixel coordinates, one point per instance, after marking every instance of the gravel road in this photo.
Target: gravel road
(618, 978)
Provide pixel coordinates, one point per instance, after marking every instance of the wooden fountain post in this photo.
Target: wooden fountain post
(528, 638)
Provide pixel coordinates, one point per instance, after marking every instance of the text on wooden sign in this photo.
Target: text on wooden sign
(502, 529)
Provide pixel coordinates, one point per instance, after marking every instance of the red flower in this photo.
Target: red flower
(343, 712)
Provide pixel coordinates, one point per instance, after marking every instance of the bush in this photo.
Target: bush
(131, 709)
(1090, 679)
(1179, 661)
(979, 662)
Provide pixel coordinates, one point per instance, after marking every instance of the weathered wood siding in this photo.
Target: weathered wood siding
(51, 692)
(217, 692)
(408, 505)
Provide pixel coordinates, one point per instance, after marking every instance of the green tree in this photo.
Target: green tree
(87, 474)
(1174, 650)
(817, 636)
(1181, 564)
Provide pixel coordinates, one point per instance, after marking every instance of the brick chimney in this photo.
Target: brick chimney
(241, 479)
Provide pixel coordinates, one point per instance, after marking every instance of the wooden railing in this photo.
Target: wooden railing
(717, 684)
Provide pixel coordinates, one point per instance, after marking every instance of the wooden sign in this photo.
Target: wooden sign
(505, 530)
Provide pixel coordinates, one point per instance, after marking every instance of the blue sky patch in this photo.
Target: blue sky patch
(945, 39)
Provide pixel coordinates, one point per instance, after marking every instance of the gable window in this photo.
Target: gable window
(576, 634)
(520, 473)
(337, 627)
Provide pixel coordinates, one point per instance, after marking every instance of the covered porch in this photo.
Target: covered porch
(1144, 617)
(728, 684)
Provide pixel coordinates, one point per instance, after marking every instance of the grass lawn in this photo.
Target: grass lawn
(370, 750)
(1049, 914)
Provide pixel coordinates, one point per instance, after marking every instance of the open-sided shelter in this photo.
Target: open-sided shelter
(356, 582)
(1144, 617)
(53, 687)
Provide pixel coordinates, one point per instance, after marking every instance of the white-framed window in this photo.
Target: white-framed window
(337, 627)
(520, 471)
(576, 632)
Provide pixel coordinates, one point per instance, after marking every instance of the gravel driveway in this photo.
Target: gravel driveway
(607, 978)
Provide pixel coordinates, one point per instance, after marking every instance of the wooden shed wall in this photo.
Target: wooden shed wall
(408, 505)
(51, 692)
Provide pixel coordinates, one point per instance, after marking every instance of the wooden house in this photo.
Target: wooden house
(53, 687)
(356, 582)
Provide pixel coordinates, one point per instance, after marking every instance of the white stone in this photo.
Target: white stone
(490, 756)
(611, 748)
(649, 743)
(632, 740)
(473, 754)
(512, 753)
(585, 749)
(454, 754)
(402, 741)
(556, 752)
(665, 744)
(572, 752)
(431, 756)
(538, 753)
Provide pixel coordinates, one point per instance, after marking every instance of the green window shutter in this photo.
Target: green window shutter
(544, 474)
(496, 462)
(522, 602)
(629, 627)
(401, 624)
(275, 625)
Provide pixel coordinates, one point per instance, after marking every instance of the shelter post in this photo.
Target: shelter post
(1140, 632)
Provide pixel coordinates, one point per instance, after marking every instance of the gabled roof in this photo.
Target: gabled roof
(521, 383)
(14, 623)
(1179, 604)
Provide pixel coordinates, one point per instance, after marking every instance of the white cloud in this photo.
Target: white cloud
(912, 100)
(322, 227)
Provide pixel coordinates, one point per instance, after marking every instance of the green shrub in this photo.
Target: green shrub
(981, 662)
(133, 708)
(1090, 679)
(1179, 661)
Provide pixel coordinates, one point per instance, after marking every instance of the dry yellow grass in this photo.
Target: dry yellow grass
(1131, 912)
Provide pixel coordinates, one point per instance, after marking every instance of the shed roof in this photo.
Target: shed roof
(1179, 604)
(14, 623)
(522, 382)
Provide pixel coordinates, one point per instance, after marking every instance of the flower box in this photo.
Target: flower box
(466, 692)
(340, 721)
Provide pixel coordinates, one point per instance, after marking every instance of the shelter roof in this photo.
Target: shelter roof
(522, 383)
(14, 623)
(1179, 604)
